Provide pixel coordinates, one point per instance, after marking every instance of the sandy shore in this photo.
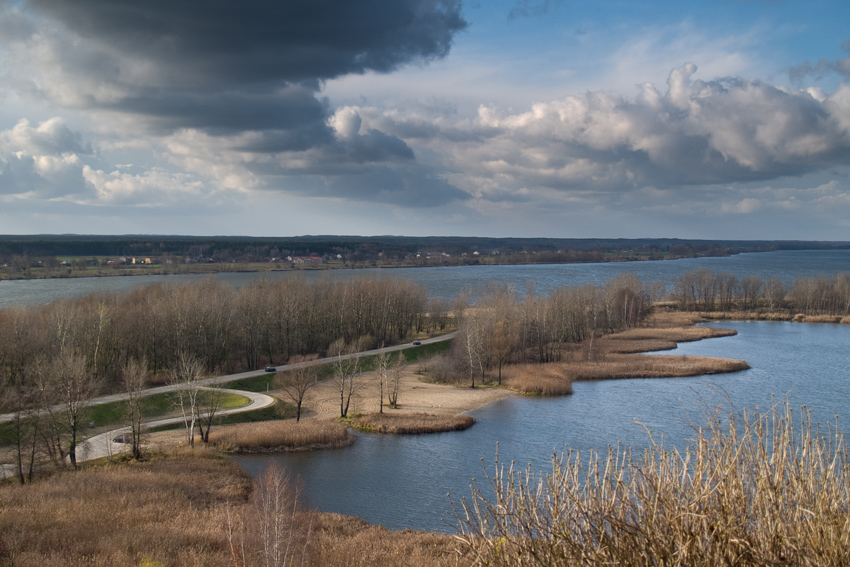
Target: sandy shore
(415, 396)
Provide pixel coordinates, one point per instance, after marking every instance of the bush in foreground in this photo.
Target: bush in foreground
(760, 492)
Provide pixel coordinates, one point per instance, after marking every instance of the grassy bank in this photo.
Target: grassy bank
(411, 423)
(192, 511)
(287, 435)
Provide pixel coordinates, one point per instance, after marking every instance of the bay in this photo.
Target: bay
(404, 482)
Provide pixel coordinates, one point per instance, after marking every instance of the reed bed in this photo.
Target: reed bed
(537, 379)
(675, 334)
(163, 513)
(412, 423)
(762, 490)
(282, 435)
(620, 366)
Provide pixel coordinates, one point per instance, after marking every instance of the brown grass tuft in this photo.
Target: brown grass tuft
(539, 379)
(619, 366)
(167, 511)
(284, 435)
(822, 319)
(412, 423)
(344, 541)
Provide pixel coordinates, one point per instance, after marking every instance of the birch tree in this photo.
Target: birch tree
(185, 378)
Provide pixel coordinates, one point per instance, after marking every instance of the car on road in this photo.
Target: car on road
(271, 369)
(417, 343)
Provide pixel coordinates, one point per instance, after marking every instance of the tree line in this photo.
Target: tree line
(705, 290)
(54, 358)
(501, 328)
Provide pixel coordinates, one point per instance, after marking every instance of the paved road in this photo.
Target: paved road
(250, 374)
(102, 445)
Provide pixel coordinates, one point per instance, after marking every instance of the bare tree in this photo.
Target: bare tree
(185, 378)
(17, 399)
(382, 363)
(66, 388)
(207, 408)
(346, 366)
(296, 383)
(394, 384)
(135, 377)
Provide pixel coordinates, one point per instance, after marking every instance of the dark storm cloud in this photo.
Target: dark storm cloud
(410, 187)
(221, 66)
(291, 108)
(260, 41)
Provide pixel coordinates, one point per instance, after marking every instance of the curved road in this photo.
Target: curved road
(102, 445)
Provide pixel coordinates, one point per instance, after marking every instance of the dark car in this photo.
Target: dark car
(417, 343)
(271, 369)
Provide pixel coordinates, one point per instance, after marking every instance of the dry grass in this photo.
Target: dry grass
(763, 491)
(821, 319)
(284, 435)
(670, 318)
(166, 511)
(343, 541)
(619, 366)
(412, 423)
(537, 379)
(186, 512)
(657, 338)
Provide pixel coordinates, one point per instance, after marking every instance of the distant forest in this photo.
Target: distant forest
(374, 250)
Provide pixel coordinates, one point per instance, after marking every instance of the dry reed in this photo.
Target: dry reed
(650, 366)
(283, 435)
(412, 423)
(344, 541)
(759, 491)
(539, 379)
(164, 511)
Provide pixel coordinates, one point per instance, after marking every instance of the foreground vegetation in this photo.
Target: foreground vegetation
(768, 489)
(192, 511)
(762, 490)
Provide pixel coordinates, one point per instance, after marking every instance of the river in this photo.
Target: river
(447, 282)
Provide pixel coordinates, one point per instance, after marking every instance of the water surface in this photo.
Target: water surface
(403, 482)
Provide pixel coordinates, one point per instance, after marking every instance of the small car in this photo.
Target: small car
(271, 369)
(417, 343)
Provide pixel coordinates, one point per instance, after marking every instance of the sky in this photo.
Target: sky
(711, 119)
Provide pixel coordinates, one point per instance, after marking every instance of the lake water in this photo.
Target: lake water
(447, 282)
(403, 482)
